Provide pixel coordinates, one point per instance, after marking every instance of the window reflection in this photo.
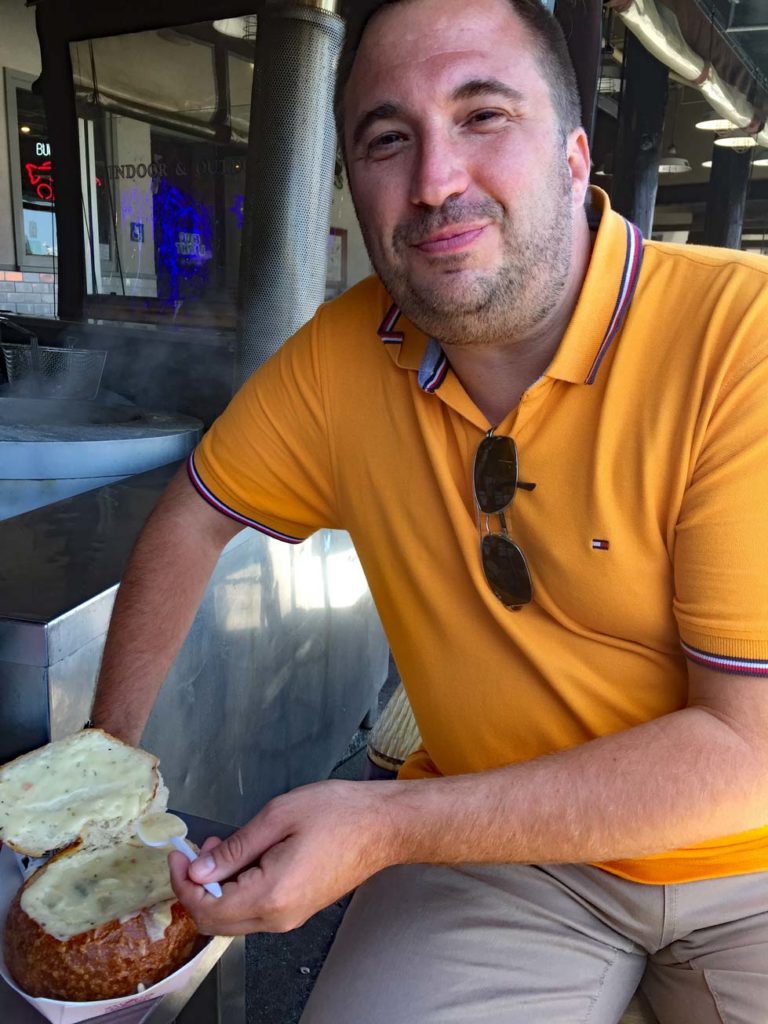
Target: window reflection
(167, 116)
(164, 120)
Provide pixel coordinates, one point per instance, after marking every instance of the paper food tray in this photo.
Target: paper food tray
(56, 1010)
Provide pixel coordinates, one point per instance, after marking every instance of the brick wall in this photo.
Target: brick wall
(27, 292)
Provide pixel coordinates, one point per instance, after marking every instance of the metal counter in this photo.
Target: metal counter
(283, 661)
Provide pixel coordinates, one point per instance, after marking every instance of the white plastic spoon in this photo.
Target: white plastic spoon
(169, 830)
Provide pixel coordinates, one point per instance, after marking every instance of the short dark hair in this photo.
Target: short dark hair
(556, 64)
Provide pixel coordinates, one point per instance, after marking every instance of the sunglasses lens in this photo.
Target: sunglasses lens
(495, 473)
(506, 570)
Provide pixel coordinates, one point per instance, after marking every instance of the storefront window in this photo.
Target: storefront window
(32, 183)
(166, 116)
(164, 122)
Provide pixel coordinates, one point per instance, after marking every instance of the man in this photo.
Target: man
(584, 652)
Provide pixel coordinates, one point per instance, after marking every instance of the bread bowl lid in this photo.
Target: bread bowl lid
(87, 786)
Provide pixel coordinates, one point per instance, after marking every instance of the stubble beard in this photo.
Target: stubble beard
(463, 307)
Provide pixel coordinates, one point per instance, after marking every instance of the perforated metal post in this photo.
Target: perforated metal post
(289, 179)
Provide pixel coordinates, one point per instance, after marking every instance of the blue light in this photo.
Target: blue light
(183, 249)
(238, 209)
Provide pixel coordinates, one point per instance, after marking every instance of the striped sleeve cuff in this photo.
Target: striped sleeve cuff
(227, 510)
(725, 663)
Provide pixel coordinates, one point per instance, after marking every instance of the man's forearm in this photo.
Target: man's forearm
(156, 603)
(681, 779)
(154, 609)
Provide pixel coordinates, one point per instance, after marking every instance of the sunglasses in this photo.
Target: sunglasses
(496, 481)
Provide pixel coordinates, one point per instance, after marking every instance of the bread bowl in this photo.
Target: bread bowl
(99, 919)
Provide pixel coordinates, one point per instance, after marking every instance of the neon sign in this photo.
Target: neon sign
(40, 177)
(41, 180)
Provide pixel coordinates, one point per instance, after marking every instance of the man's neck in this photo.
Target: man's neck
(496, 376)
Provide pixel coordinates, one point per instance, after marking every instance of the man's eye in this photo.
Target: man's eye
(484, 118)
(384, 143)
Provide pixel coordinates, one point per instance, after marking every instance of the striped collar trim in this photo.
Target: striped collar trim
(629, 278)
(433, 367)
(227, 510)
(386, 329)
(721, 663)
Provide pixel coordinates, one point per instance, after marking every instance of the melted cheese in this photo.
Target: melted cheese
(157, 919)
(160, 828)
(91, 887)
(81, 785)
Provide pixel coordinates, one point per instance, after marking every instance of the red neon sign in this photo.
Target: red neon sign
(41, 180)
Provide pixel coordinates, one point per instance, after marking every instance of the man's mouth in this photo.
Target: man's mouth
(450, 239)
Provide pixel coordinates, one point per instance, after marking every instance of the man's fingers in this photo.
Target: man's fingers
(190, 893)
(229, 856)
(179, 865)
(224, 916)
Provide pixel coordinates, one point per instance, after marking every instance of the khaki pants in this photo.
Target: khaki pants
(552, 944)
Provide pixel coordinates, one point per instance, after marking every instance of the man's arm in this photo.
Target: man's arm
(693, 775)
(162, 586)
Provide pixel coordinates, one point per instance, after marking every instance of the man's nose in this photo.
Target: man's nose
(439, 173)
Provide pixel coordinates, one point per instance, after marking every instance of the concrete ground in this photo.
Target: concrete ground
(281, 969)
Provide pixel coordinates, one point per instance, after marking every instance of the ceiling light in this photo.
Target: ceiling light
(671, 163)
(238, 28)
(737, 141)
(717, 124)
(706, 163)
(25, 129)
(762, 162)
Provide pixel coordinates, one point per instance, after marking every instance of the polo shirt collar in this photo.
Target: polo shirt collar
(602, 306)
(407, 345)
(606, 294)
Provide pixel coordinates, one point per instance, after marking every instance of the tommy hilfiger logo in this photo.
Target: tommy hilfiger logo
(600, 545)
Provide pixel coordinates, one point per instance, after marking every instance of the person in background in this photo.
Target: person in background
(548, 440)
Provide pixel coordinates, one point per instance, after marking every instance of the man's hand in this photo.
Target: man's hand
(302, 852)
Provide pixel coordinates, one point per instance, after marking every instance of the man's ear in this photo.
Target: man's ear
(579, 162)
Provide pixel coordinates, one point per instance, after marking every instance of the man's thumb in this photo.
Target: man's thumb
(203, 868)
(220, 858)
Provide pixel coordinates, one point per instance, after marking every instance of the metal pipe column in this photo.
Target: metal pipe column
(641, 124)
(726, 197)
(289, 177)
(582, 25)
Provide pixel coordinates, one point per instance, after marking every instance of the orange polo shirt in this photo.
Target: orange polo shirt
(646, 535)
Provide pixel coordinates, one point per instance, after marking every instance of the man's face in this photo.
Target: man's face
(460, 173)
